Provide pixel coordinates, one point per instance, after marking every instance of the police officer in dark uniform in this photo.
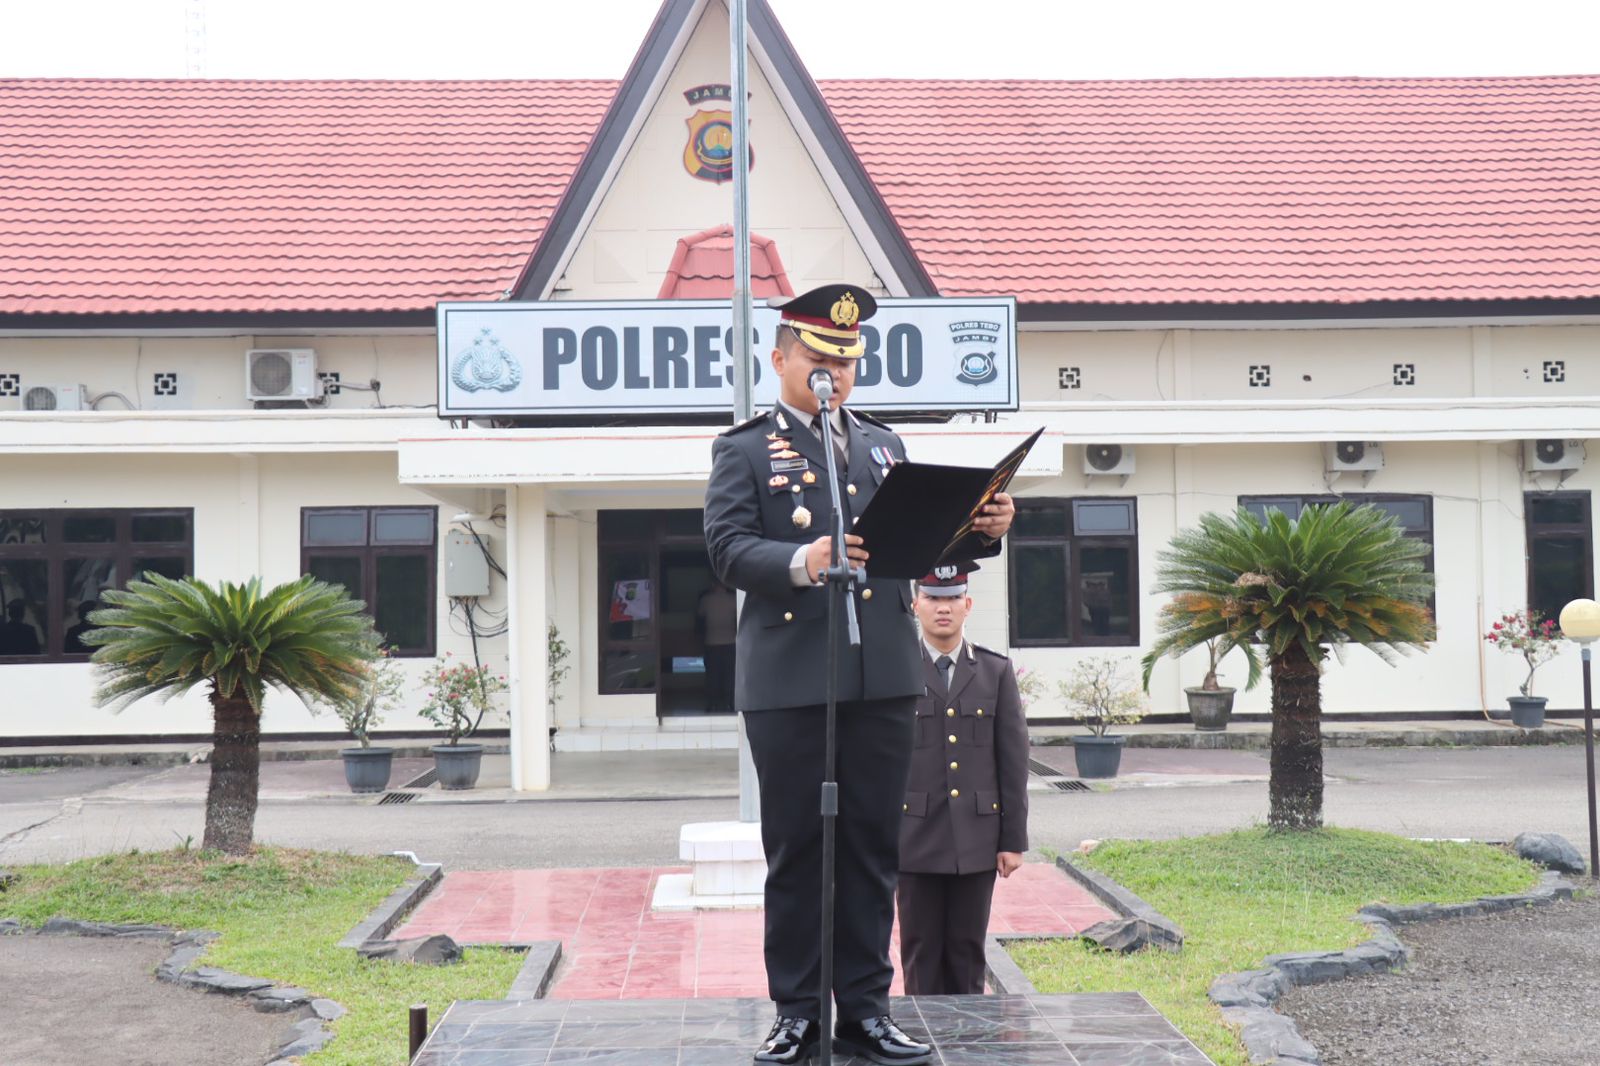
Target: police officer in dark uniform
(966, 806)
(768, 514)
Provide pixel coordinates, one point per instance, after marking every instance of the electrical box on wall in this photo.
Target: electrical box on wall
(466, 571)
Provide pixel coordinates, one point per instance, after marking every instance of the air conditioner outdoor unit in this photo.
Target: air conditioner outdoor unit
(53, 398)
(1111, 460)
(1344, 455)
(281, 374)
(1552, 453)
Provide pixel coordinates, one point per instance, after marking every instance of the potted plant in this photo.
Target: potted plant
(1211, 705)
(459, 696)
(367, 768)
(1103, 697)
(1537, 640)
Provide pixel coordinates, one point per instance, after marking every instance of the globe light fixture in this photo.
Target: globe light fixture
(1580, 622)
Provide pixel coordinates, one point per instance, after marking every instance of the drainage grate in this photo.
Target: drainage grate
(1041, 769)
(397, 797)
(1066, 784)
(426, 780)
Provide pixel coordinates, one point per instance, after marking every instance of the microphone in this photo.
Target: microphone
(821, 383)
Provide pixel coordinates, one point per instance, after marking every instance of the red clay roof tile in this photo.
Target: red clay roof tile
(148, 196)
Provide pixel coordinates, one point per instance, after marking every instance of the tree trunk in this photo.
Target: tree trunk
(235, 776)
(1296, 784)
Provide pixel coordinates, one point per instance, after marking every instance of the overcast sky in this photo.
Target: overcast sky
(835, 38)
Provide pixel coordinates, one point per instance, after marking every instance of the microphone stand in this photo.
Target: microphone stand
(841, 578)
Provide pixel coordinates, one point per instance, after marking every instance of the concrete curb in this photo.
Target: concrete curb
(1248, 999)
(1148, 926)
(388, 914)
(68, 757)
(1261, 740)
(307, 1033)
(1005, 975)
(537, 972)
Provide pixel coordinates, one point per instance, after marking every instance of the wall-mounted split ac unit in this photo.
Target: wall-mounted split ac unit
(54, 398)
(282, 374)
(1108, 460)
(1552, 453)
(1364, 457)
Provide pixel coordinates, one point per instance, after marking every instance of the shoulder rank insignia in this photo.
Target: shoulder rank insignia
(745, 425)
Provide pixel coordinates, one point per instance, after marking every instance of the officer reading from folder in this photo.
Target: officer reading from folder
(966, 815)
(767, 517)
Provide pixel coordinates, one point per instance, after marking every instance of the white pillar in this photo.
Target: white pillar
(527, 542)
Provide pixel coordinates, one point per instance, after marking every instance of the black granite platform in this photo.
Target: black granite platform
(1094, 1029)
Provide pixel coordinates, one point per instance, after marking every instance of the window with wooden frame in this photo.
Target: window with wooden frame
(55, 563)
(1414, 513)
(388, 558)
(1560, 529)
(1074, 572)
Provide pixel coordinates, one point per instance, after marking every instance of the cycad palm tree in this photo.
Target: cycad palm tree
(163, 637)
(1291, 590)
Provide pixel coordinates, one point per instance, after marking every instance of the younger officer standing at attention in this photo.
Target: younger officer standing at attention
(966, 807)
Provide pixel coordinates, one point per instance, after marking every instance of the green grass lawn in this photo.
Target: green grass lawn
(280, 913)
(1242, 896)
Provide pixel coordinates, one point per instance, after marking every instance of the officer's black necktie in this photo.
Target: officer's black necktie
(838, 443)
(944, 664)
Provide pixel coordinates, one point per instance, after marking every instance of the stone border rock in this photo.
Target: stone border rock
(1140, 925)
(388, 914)
(308, 1033)
(1247, 999)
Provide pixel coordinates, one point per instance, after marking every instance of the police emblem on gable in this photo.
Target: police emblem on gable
(975, 351)
(708, 155)
(485, 365)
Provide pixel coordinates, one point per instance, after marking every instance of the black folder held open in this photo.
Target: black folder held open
(922, 514)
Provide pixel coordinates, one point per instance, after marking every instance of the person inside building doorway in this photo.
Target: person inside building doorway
(17, 635)
(716, 616)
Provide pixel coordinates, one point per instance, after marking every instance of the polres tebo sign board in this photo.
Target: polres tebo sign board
(673, 357)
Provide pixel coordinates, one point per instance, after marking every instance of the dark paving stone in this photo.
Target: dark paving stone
(1100, 1029)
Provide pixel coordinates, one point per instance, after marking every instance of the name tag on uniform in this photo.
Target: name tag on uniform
(788, 464)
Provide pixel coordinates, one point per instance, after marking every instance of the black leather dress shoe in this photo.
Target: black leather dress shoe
(880, 1040)
(791, 1040)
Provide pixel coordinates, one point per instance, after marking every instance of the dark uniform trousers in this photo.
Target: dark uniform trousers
(966, 801)
(768, 494)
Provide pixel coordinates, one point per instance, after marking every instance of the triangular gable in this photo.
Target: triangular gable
(852, 192)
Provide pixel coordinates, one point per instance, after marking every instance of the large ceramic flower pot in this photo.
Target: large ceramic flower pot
(1097, 756)
(1210, 709)
(367, 769)
(1527, 711)
(457, 764)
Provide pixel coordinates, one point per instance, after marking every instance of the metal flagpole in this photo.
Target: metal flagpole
(743, 370)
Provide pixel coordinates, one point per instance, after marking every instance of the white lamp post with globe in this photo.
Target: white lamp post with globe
(1580, 622)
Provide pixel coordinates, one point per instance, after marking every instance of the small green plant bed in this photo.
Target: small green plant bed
(280, 912)
(1242, 896)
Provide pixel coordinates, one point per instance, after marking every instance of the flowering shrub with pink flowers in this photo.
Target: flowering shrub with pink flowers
(460, 695)
(1528, 634)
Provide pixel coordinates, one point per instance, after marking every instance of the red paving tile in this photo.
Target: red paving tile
(615, 947)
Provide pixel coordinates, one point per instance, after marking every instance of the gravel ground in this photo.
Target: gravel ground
(68, 1001)
(1512, 989)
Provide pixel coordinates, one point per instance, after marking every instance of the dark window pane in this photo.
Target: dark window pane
(1558, 572)
(89, 529)
(627, 525)
(166, 566)
(627, 669)
(1104, 575)
(338, 570)
(1563, 510)
(1039, 522)
(1411, 514)
(402, 527)
(167, 528)
(403, 609)
(630, 607)
(684, 523)
(22, 529)
(1260, 505)
(326, 528)
(1102, 516)
(23, 591)
(1041, 592)
(82, 582)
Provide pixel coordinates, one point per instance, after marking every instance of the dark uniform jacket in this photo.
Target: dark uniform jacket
(967, 799)
(751, 536)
